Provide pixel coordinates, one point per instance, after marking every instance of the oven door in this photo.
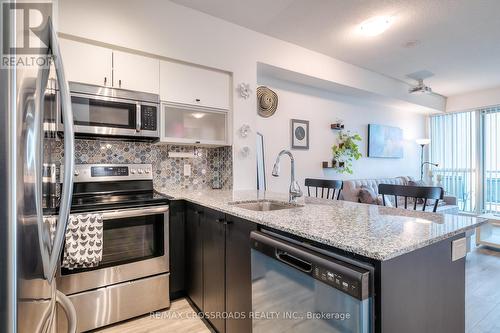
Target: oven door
(109, 116)
(135, 245)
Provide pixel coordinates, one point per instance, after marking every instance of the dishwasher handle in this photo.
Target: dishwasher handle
(294, 261)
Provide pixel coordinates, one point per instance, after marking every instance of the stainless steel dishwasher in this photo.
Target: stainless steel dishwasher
(297, 288)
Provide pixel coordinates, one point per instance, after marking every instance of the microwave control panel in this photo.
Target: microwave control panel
(149, 117)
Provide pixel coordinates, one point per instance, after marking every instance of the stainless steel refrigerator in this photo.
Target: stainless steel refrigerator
(31, 94)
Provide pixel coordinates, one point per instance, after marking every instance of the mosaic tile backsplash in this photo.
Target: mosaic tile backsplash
(211, 169)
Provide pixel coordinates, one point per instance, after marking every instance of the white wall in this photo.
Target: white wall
(163, 28)
(473, 100)
(322, 108)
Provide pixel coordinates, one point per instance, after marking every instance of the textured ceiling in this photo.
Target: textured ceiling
(456, 40)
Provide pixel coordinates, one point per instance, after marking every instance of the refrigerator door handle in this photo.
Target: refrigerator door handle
(43, 231)
(69, 161)
(68, 309)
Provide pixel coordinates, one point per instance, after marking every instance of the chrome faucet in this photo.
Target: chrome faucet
(294, 191)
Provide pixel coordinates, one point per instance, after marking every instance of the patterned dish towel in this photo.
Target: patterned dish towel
(83, 246)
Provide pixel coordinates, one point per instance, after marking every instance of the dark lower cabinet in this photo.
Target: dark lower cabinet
(213, 228)
(218, 267)
(177, 249)
(425, 283)
(238, 274)
(194, 254)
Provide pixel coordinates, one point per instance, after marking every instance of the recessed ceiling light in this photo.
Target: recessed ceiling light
(375, 25)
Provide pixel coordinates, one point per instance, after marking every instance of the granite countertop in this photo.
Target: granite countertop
(376, 232)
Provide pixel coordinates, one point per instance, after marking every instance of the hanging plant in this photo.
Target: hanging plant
(345, 151)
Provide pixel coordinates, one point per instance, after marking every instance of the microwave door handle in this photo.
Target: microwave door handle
(138, 117)
(69, 150)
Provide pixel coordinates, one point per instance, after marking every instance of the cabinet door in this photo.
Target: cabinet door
(194, 255)
(187, 84)
(135, 72)
(213, 265)
(184, 124)
(86, 63)
(177, 248)
(238, 273)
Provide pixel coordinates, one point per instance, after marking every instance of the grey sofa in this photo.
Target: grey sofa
(350, 192)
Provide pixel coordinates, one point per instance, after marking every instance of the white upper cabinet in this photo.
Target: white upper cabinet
(193, 85)
(185, 124)
(135, 72)
(86, 63)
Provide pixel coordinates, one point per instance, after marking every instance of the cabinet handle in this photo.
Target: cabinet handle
(119, 83)
(221, 221)
(198, 100)
(105, 80)
(227, 222)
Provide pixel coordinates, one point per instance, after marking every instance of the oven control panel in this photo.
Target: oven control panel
(108, 171)
(111, 172)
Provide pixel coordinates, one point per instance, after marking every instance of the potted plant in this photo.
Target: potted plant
(345, 151)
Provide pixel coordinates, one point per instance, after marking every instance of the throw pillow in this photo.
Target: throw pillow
(410, 202)
(380, 201)
(418, 183)
(367, 195)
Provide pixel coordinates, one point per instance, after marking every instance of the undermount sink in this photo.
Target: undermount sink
(264, 205)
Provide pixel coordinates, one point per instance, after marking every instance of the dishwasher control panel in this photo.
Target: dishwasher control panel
(337, 280)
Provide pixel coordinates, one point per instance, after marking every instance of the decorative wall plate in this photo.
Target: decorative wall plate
(244, 90)
(267, 102)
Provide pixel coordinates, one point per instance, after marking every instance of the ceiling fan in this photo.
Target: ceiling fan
(420, 88)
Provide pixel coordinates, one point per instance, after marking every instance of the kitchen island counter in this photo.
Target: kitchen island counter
(375, 232)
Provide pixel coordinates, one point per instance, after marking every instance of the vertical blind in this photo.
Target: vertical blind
(454, 148)
(466, 147)
(491, 158)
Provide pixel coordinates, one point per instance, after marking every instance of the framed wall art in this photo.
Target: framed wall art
(300, 133)
(385, 141)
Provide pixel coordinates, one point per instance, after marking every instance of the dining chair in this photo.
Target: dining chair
(331, 186)
(416, 192)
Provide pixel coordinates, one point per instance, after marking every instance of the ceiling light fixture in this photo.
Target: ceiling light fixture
(375, 25)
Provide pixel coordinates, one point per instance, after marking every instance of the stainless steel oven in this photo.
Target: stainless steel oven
(135, 245)
(111, 112)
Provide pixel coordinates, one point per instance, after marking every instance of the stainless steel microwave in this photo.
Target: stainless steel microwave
(110, 112)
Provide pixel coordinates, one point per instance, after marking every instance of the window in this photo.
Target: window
(491, 153)
(453, 147)
(466, 147)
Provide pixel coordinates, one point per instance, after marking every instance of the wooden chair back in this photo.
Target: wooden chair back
(320, 186)
(416, 192)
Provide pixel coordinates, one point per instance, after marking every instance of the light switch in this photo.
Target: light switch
(187, 170)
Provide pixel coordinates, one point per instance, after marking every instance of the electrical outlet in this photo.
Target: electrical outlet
(187, 170)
